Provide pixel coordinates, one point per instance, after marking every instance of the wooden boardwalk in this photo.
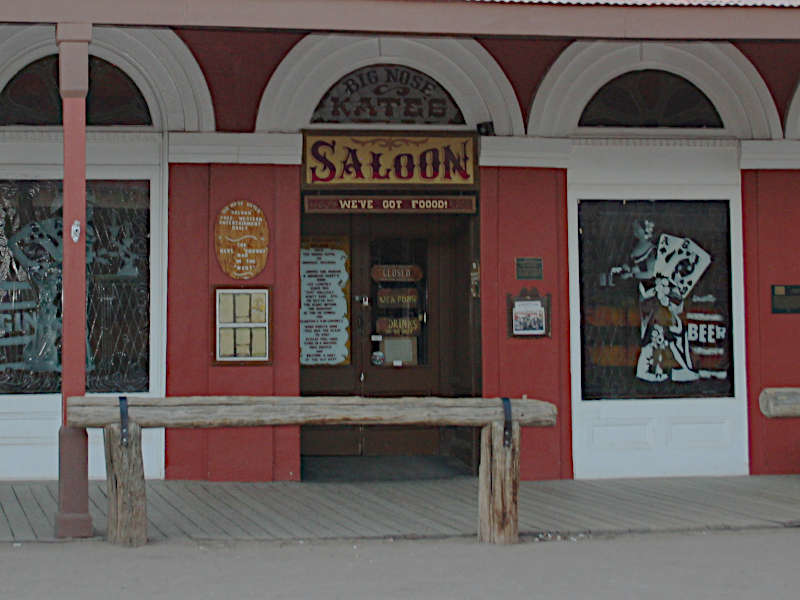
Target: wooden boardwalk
(416, 509)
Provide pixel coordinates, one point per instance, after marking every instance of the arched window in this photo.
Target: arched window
(32, 97)
(117, 246)
(650, 98)
(388, 94)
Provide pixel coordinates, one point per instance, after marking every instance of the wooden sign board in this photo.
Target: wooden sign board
(398, 298)
(389, 159)
(241, 239)
(463, 205)
(400, 326)
(396, 273)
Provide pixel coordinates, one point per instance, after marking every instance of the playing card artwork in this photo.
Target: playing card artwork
(655, 283)
(681, 261)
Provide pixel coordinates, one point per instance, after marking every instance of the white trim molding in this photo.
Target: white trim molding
(242, 148)
(779, 154)
(286, 149)
(462, 66)
(157, 61)
(718, 69)
(792, 127)
(22, 148)
(525, 152)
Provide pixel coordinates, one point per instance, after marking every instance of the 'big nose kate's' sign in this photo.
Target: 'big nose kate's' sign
(389, 160)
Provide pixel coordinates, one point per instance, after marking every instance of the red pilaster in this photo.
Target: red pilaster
(72, 519)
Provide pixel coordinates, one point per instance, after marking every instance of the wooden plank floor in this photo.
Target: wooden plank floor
(429, 508)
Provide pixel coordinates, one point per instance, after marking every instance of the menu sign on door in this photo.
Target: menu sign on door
(325, 301)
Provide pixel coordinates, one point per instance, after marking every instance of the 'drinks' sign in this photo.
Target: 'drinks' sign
(389, 160)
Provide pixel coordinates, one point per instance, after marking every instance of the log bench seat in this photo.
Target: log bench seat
(499, 419)
(780, 402)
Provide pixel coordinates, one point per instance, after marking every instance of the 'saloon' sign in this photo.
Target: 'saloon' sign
(389, 160)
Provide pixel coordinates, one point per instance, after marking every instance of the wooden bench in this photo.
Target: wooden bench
(500, 420)
(779, 402)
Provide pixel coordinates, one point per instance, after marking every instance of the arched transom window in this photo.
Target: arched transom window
(650, 98)
(388, 93)
(32, 97)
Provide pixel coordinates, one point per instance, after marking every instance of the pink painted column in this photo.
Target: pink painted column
(72, 518)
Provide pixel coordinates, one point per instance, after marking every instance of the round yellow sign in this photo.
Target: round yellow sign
(241, 239)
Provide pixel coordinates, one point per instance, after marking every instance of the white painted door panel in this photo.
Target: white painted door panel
(647, 437)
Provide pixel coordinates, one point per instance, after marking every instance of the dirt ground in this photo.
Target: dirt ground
(698, 565)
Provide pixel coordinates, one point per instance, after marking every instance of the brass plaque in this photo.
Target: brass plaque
(529, 267)
(241, 239)
(785, 299)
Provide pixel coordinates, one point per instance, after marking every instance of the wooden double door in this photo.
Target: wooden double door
(413, 325)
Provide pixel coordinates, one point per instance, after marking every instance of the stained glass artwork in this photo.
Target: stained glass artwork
(117, 286)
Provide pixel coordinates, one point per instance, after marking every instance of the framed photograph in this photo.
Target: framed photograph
(242, 325)
(528, 317)
(528, 314)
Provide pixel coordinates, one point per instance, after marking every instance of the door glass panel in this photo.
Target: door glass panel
(655, 299)
(398, 286)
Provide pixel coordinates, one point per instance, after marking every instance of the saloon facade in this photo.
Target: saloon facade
(591, 205)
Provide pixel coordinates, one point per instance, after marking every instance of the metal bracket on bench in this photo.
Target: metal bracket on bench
(507, 423)
(123, 420)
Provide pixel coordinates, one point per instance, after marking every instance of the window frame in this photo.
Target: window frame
(158, 244)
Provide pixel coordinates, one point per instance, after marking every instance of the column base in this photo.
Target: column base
(73, 525)
(72, 518)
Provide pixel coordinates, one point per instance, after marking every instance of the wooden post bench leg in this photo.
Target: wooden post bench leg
(498, 486)
(127, 502)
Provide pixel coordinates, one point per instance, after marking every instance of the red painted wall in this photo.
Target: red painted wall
(525, 63)
(778, 63)
(237, 66)
(523, 213)
(772, 247)
(197, 193)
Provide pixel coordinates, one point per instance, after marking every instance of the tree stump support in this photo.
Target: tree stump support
(127, 501)
(498, 485)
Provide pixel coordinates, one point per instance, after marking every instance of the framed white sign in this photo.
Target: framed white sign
(243, 324)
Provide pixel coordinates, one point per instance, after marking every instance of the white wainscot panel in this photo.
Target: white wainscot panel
(699, 432)
(621, 434)
(29, 441)
(29, 437)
